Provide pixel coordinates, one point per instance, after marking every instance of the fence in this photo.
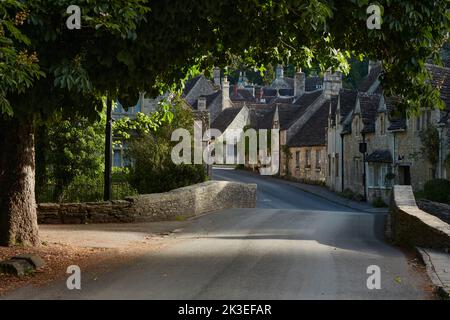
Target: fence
(82, 192)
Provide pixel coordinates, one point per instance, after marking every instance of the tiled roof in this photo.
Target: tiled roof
(396, 122)
(283, 82)
(369, 108)
(347, 102)
(370, 79)
(209, 98)
(312, 133)
(281, 100)
(269, 92)
(286, 92)
(241, 94)
(225, 118)
(441, 81)
(380, 156)
(289, 112)
(190, 84)
(261, 116)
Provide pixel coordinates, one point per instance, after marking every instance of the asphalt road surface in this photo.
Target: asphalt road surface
(293, 246)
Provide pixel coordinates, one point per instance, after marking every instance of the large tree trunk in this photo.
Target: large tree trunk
(18, 219)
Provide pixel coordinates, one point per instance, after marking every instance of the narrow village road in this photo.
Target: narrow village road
(293, 246)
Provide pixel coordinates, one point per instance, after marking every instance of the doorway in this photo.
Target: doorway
(404, 175)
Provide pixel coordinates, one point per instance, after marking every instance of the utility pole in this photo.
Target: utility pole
(108, 151)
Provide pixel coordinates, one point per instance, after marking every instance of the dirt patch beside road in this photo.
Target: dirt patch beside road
(94, 248)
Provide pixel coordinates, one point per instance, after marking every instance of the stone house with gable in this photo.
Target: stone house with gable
(392, 144)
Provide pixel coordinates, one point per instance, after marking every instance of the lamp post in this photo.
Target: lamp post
(108, 152)
(363, 150)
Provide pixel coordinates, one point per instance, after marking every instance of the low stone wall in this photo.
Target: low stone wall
(177, 204)
(440, 210)
(409, 226)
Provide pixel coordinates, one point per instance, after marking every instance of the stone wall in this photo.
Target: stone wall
(303, 172)
(440, 210)
(177, 204)
(409, 226)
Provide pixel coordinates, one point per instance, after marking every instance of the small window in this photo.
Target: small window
(308, 158)
(318, 159)
(297, 159)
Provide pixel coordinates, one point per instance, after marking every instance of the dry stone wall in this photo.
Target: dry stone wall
(177, 204)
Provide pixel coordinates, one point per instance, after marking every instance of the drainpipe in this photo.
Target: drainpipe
(440, 153)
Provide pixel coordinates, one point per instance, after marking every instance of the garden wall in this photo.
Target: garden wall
(176, 204)
(409, 226)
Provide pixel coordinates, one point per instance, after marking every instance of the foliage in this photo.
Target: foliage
(447, 161)
(350, 194)
(132, 46)
(437, 190)
(378, 202)
(18, 67)
(430, 145)
(73, 147)
(85, 189)
(143, 124)
(150, 151)
(287, 157)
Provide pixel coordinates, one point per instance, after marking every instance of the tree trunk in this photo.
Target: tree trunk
(18, 218)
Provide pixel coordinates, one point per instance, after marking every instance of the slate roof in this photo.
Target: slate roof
(261, 116)
(380, 156)
(348, 100)
(283, 82)
(269, 92)
(190, 84)
(241, 94)
(396, 122)
(225, 118)
(369, 108)
(441, 81)
(286, 92)
(370, 79)
(288, 113)
(209, 99)
(312, 133)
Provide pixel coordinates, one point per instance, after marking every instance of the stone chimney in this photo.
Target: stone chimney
(299, 83)
(216, 75)
(226, 102)
(373, 64)
(280, 71)
(201, 104)
(332, 84)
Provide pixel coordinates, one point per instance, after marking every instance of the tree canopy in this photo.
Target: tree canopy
(125, 47)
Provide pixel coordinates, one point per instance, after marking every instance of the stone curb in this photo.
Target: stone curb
(440, 288)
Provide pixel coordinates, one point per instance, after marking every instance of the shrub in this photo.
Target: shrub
(378, 202)
(349, 194)
(437, 190)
